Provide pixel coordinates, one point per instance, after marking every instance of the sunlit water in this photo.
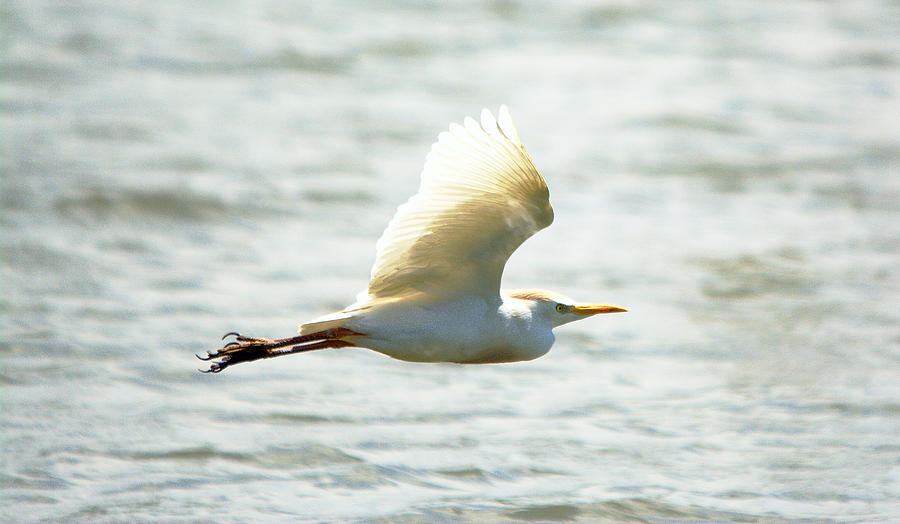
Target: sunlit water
(729, 171)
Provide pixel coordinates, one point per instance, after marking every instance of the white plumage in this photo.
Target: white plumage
(434, 293)
(480, 198)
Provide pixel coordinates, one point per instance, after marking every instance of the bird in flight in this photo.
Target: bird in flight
(434, 293)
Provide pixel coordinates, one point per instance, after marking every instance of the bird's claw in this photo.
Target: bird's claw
(215, 367)
(241, 339)
(238, 350)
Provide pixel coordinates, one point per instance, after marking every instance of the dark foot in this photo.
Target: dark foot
(241, 349)
(248, 349)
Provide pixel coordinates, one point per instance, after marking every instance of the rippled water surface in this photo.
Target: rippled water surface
(729, 171)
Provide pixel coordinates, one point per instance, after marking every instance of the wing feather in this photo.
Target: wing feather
(479, 199)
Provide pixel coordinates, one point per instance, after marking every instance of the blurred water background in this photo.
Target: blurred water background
(729, 171)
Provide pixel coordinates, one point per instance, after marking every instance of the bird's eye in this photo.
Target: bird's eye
(560, 308)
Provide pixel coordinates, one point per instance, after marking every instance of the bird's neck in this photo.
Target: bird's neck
(519, 312)
(524, 330)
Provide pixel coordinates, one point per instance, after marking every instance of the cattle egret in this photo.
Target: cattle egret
(434, 293)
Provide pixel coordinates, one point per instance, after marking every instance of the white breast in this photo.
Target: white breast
(467, 330)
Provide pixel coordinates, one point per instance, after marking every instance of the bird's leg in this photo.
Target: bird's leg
(248, 349)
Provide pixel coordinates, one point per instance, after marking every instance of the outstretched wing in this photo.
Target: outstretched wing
(480, 198)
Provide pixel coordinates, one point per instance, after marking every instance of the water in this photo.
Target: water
(727, 171)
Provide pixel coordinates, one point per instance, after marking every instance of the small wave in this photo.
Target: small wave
(299, 418)
(33, 479)
(302, 61)
(309, 455)
(281, 59)
(749, 277)
(113, 131)
(186, 454)
(547, 513)
(468, 474)
(129, 204)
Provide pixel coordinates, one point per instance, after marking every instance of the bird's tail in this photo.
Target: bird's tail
(324, 323)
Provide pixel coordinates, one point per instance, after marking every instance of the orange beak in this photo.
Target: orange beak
(593, 309)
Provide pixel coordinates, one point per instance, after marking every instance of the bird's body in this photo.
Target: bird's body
(434, 292)
(465, 330)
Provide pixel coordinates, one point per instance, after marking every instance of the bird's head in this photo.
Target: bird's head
(557, 309)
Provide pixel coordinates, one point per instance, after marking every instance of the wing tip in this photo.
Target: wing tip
(506, 125)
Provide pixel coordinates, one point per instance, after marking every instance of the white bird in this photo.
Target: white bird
(434, 294)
